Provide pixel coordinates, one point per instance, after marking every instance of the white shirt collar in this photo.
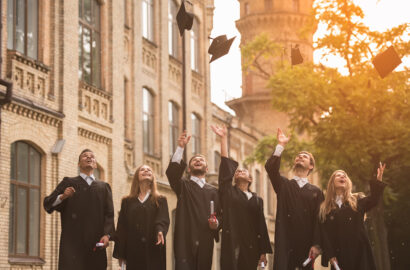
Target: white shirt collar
(88, 178)
(339, 200)
(301, 181)
(199, 181)
(248, 194)
(145, 198)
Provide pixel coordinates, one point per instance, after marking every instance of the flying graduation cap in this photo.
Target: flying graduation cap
(385, 62)
(184, 19)
(295, 56)
(219, 47)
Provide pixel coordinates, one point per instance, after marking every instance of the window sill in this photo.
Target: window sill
(26, 261)
(150, 42)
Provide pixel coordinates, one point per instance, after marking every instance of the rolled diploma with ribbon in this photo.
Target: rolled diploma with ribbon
(336, 266)
(307, 261)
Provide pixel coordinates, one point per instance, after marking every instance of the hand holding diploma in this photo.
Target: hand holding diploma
(213, 221)
(262, 261)
(333, 261)
(105, 241)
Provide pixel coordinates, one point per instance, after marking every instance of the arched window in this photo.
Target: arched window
(174, 45)
(148, 19)
(148, 121)
(173, 117)
(196, 134)
(195, 46)
(89, 42)
(22, 27)
(25, 179)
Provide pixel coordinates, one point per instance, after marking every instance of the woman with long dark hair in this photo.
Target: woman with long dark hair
(142, 225)
(341, 215)
(245, 238)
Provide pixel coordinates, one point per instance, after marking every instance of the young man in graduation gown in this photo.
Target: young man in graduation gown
(87, 217)
(195, 231)
(297, 235)
(245, 238)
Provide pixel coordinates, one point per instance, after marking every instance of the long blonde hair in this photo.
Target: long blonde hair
(330, 198)
(135, 186)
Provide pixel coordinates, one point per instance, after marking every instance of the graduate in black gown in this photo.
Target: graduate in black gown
(142, 225)
(195, 229)
(245, 238)
(87, 217)
(342, 221)
(297, 233)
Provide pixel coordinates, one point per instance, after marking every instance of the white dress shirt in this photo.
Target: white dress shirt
(145, 198)
(339, 200)
(248, 194)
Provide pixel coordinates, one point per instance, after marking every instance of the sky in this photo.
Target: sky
(226, 75)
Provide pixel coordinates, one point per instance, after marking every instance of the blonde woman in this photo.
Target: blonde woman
(142, 225)
(342, 221)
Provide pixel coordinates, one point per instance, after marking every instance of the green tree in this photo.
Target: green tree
(354, 120)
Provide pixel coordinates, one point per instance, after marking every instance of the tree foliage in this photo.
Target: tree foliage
(352, 121)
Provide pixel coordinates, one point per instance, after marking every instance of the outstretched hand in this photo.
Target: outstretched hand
(183, 139)
(219, 130)
(380, 171)
(282, 139)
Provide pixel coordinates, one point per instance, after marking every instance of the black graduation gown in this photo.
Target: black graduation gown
(85, 218)
(296, 225)
(136, 236)
(193, 239)
(244, 233)
(344, 233)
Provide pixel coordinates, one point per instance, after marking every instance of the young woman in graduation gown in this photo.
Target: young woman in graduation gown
(344, 238)
(245, 238)
(142, 225)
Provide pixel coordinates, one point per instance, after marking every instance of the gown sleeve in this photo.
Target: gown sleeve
(49, 200)
(174, 174)
(272, 166)
(376, 190)
(227, 170)
(120, 236)
(162, 217)
(263, 235)
(109, 227)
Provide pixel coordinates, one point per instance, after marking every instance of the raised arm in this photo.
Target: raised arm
(227, 167)
(376, 190)
(177, 166)
(272, 165)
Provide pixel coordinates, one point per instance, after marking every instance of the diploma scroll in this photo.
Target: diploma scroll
(336, 266)
(262, 265)
(307, 261)
(123, 266)
(212, 209)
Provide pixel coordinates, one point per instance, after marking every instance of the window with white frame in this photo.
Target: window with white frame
(173, 117)
(89, 42)
(174, 43)
(195, 46)
(196, 134)
(148, 121)
(22, 27)
(148, 19)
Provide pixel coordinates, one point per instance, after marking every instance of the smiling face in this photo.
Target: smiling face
(242, 173)
(304, 161)
(87, 161)
(198, 165)
(145, 173)
(340, 180)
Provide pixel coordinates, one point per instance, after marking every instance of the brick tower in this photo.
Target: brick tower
(282, 21)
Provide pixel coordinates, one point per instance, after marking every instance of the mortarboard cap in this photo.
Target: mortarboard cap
(295, 56)
(385, 62)
(184, 19)
(219, 47)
